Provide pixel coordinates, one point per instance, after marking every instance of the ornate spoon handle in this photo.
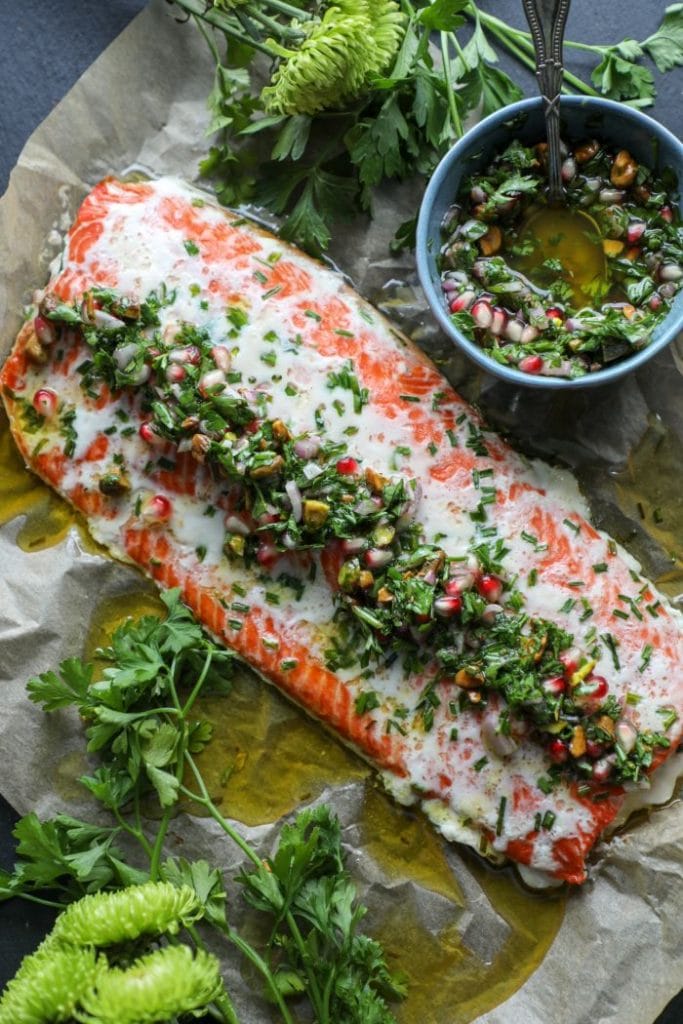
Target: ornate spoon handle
(547, 19)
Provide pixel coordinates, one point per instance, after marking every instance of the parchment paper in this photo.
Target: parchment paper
(617, 954)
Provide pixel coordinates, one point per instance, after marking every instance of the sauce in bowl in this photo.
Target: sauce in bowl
(562, 291)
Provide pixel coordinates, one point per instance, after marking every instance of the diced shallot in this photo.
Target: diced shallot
(529, 334)
(568, 169)
(514, 329)
(670, 272)
(626, 735)
(235, 524)
(610, 196)
(307, 447)
(45, 402)
(294, 495)
(497, 742)
(123, 354)
(311, 470)
(490, 612)
(353, 545)
(46, 332)
(602, 769)
(106, 322)
(211, 382)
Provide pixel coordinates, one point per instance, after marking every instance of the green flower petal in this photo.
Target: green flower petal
(105, 918)
(158, 987)
(48, 985)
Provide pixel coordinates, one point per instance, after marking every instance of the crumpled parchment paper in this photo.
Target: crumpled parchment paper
(617, 955)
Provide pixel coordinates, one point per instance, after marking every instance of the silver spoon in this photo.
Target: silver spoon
(547, 20)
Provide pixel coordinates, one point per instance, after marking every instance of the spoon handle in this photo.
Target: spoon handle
(547, 20)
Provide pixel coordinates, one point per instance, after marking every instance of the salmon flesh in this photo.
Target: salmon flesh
(291, 338)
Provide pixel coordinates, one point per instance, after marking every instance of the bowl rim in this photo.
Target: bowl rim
(670, 326)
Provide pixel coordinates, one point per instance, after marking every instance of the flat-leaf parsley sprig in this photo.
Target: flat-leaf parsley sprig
(360, 92)
(141, 722)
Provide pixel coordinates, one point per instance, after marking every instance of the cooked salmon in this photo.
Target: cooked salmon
(314, 357)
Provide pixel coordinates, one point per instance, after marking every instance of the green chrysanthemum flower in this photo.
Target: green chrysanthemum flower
(48, 985)
(354, 40)
(105, 918)
(388, 26)
(158, 987)
(329, 65)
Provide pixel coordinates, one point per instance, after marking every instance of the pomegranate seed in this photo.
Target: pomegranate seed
(594, 749)
(211, 382)
(353, 545)
(482, 313)
(45, 402)
(45, 330)
(554, 313)
(570, 660)
(531, 364)
(599, 687)
(267, 554)
(445, 607)
(499, 321)
(626, 734)
(666, 213)
(490, 587)
(175, 373)
(158, 509)
(347, 466)
(558, 751)
(221, 357)
(149, 434)
(252, 426)
(462, 301)
(635, 231)
(655, 302)
(554, 687)
(602, 770)
(454, 588)
(377, 558)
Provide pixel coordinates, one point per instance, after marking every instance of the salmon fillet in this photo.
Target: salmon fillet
(314, 356)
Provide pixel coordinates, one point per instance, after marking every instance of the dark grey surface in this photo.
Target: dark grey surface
(46, 44)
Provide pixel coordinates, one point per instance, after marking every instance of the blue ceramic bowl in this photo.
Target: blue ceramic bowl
(619, 125)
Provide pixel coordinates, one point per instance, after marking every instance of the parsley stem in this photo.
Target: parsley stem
(275, 26)
(293, 12)
(198, 685)
(206, 801)
(136, 833)
(517, 42)
(223, 22)
(450, 93)
(260, 964)
(8, 893)
(223, 1001)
